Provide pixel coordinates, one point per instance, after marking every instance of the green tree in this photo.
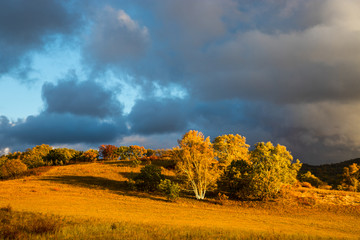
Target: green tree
(59, 156)
(149, 178)
(34, 157)
(123, 152)
(235, 181)
(195, 162)
(272, 167)
(170, 189)
(229, 148)
(268, 169)
(135, 154)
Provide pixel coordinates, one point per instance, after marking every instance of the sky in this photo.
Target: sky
(81, 73)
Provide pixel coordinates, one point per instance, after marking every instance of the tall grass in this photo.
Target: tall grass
(23, 225)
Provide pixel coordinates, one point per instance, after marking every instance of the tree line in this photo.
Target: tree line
(225, 165)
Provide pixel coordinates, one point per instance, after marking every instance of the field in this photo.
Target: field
(94, 203)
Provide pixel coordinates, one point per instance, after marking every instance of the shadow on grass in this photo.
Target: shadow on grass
(119, 187)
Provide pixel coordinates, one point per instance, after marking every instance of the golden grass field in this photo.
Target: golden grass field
(94, 194)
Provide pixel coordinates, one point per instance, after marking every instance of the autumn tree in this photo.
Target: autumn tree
(351, 178)
(268, 169)
(108, 152)
(195, 162)
(90, 155)
(34, 157)
(136, 152)
(229, 148)
(123, 152)
(59, 156)
(12, 168)
(272, 168)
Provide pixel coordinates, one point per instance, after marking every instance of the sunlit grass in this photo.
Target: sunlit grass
(96, 191)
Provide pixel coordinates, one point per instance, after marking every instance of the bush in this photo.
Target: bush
(135, 163)
(170, 189)
(149, 178)
(312, 179)
(236, 179)
(12, 168)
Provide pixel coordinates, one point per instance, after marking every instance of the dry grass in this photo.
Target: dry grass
(96, 191)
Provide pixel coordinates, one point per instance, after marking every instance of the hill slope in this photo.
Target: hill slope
(329, 173)
(96, 191)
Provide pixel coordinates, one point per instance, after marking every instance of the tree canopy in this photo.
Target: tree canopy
(195, 161)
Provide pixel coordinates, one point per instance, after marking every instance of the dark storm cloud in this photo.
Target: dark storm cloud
(285, 71)
(54, 128)
(242, 57)
(290, 68)
(159, 116)
(86, 98)
(28, 25)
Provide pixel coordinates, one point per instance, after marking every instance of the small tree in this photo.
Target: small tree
(135, 154)
(12, 168)
(195, 162)
(149, 178)
(170, 189)
(229, 148)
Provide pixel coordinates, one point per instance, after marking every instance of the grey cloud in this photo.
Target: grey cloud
(159, 116)
(115, 37)
(54, 128)
(86, 98)
(27, 26)
(321, 133)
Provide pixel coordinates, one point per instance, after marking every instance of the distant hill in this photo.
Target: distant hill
(330, 173)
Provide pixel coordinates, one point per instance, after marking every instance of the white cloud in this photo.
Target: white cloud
(4, 151)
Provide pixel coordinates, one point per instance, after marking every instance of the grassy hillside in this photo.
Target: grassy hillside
(95, 203)
(329, 173)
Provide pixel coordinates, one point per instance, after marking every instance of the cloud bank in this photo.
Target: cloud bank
(285, 71)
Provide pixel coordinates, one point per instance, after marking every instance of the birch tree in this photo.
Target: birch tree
(195, 162)
(229, 148)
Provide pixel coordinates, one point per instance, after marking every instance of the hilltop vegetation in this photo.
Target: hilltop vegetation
(127, 187)
(226, 164)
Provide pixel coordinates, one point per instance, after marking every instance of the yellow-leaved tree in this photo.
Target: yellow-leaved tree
(195, 162)
(229, 148)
